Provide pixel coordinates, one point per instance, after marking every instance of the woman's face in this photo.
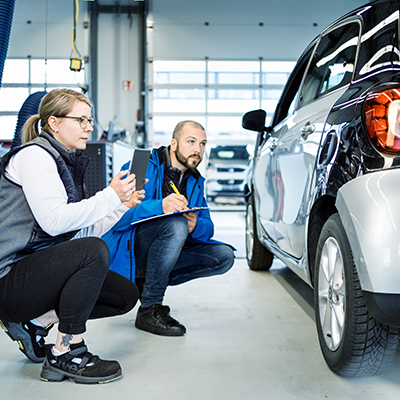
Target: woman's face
(68, 131)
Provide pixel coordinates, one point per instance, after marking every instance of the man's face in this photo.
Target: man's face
(189, 150)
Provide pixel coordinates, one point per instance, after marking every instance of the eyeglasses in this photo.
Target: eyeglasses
(83, 121)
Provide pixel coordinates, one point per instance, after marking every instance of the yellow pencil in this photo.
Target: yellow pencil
(174, 187)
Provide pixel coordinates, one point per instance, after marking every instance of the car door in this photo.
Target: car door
(298, 136)
(266, 179)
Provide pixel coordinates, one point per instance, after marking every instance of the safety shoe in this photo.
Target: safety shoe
(156, 319)
(79, 365)
(29, 337)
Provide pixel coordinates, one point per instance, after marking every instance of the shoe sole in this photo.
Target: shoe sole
(160, 332)
(52, 374)
(19, 335)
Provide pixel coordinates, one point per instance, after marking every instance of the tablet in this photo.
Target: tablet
(139, 162)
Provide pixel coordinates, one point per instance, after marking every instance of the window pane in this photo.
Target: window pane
(8, 124)
(333, 63)
(11, 99)
(233, 94)
(237, 78)
(275, 78)
(16, 71)
(233, 100)
(56, 71)
(179, 100)
(269, 105)
(179, 72)
(276, 72)
(278, 66)
(179, 93)
(234, 66)
(234, 72)
(177, 78)
(271, 94)
(221, 129)
(270, 100)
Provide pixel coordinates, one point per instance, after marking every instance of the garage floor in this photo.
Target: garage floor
(251, 336)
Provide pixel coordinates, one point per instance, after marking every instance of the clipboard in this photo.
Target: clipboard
(195, 209)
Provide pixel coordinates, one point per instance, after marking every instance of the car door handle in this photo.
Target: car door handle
(307, 130)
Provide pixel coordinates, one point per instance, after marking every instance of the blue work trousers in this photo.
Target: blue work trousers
(164, 257)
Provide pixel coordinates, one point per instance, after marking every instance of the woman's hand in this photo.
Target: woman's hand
(124, 187)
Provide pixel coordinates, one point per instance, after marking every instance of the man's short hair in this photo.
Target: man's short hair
(179, 128)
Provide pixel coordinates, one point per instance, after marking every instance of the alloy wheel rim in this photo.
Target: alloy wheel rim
(332, 294)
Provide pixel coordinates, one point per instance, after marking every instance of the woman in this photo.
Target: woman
(45, 277)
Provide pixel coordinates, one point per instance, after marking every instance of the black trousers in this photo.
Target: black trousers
(73, 279)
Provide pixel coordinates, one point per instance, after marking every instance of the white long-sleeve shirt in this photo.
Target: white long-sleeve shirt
(35, 170)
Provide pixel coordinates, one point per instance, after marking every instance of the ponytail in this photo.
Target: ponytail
(30, 130)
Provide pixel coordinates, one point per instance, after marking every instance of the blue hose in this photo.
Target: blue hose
(6, 17)
(29, 108)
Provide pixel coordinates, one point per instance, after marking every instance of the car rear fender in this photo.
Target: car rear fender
(369, 207)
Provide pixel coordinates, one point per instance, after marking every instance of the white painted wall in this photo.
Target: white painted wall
(30, 38)
(234, 30)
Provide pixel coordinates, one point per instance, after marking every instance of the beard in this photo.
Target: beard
(190, 162)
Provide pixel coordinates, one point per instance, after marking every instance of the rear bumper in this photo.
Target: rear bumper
(225, 193)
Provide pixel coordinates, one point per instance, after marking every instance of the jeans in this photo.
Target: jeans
(71, 278)
(164, 257)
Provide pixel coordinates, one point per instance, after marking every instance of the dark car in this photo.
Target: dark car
(323, 187)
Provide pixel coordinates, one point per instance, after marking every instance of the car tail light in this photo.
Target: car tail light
(382, 119)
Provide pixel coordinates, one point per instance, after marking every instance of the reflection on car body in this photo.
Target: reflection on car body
(320, 192)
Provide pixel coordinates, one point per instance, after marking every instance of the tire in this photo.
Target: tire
(352, 342)
(258, 257)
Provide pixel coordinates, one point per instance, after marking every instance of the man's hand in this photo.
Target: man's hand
(192, 220)
(174, 202)
(136, 198)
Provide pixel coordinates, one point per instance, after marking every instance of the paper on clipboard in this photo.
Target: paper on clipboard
(168, 214)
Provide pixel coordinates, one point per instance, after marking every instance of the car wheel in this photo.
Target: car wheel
(353, 343)
(258, 257)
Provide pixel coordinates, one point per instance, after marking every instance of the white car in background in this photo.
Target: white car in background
(226, 171)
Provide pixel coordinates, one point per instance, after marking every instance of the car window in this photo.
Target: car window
(287, 102)
(332, 64)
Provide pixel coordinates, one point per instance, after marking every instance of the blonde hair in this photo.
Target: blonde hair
(179, 128)
(58, 102)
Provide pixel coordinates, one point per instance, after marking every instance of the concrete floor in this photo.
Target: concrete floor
(251, 336)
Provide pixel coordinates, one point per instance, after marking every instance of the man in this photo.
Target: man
(173, 249)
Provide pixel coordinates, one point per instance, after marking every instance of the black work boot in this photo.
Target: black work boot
(29, 337)
(156, 319)
(79, 365)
